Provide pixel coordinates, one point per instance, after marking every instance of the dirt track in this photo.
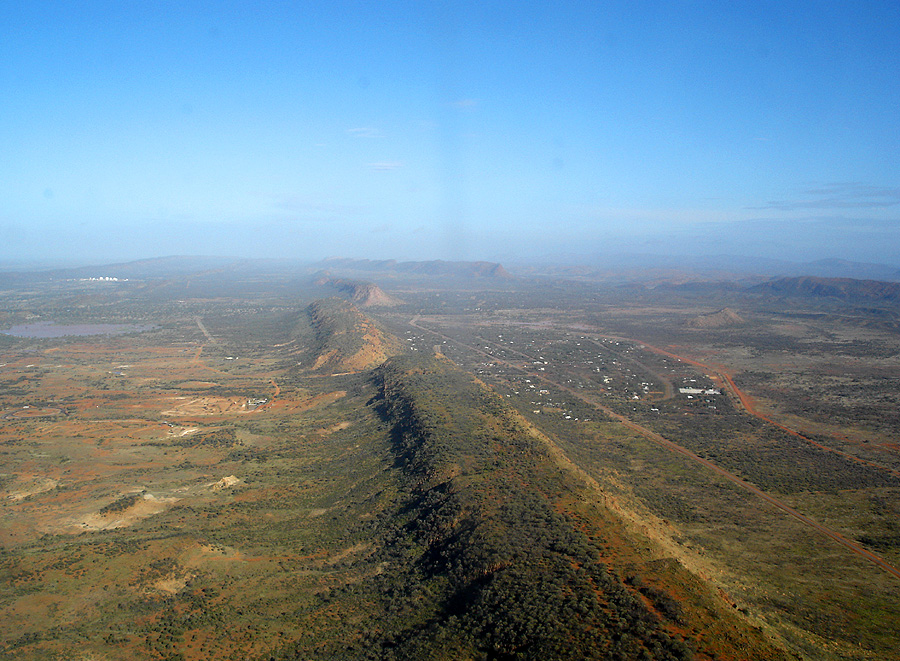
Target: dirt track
(745, 402)
(668, 388)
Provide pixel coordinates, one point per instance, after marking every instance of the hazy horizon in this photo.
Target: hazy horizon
(449, 131)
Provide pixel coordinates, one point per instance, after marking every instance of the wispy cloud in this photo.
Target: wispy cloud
(385, 166)
(465, 103)
(365, 132)
(843, 195)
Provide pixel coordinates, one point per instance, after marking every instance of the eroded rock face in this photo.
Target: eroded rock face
(348, 340)
(225, 483)
(364, 294)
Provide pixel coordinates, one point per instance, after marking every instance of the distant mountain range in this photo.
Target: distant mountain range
(832, 278)
(846, 289)
(644, 267)
(433, 267)
(175, 266)
(842, 268)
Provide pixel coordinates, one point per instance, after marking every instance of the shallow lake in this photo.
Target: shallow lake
(47, 329)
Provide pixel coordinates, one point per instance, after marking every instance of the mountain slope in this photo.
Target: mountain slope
(346, 340)
(724, 318)
(505, 551)
(362, 293)
(846, 289)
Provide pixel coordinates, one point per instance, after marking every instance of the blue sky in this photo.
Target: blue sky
(449, 129)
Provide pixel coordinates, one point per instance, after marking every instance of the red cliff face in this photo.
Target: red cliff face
(364, 294)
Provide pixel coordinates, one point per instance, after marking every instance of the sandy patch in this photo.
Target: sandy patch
(145, 506)
(209, 406)
(183, 431)
(172, 584)
(31, 486)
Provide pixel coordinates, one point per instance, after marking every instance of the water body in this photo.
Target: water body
(47, 329)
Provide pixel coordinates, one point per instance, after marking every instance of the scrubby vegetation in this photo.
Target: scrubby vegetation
(483, 560)
(513, 574)
(236, 482)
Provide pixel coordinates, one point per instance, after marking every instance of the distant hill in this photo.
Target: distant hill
(846, 289)
(435, 267)
(362, 293)
(724, 318)
(842, 268)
